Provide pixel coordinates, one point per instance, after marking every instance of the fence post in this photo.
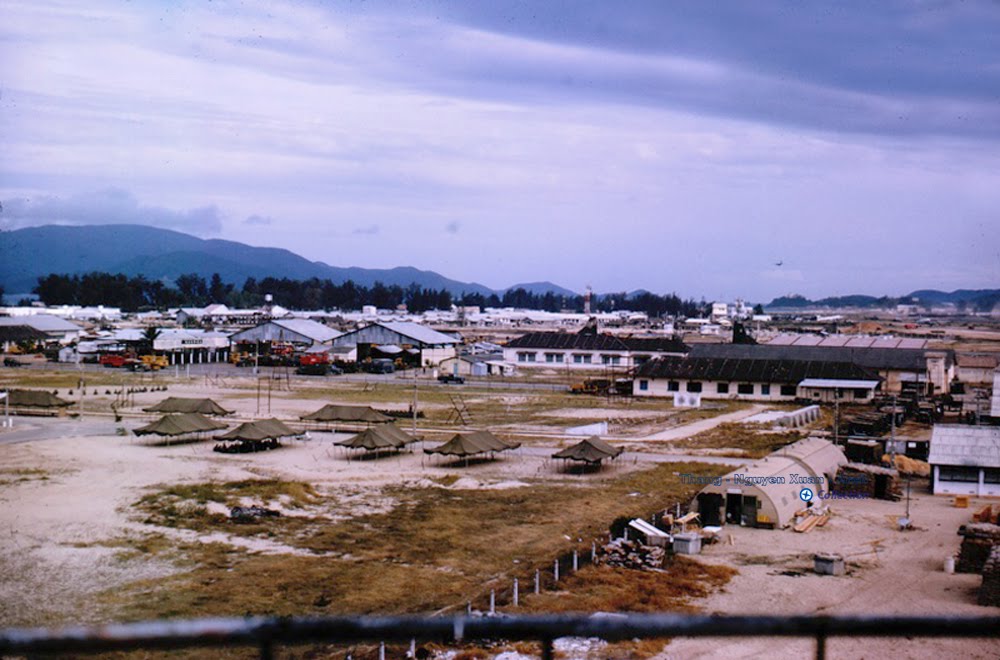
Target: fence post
(576, 562)
(538, 580)
(515, 592)
(493, 601)
(555, 571)
(381, 651)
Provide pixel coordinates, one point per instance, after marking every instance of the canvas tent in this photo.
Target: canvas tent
(255, 436)
(35, 403)
(464, 445)
(180, 424)
(377, 438)
(341, 413)
(591, 450)
(35, 399)
(175, 404)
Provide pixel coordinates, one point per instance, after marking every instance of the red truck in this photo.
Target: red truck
(115, 361)
(310, 359)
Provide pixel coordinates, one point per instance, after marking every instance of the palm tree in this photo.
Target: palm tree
(149, 335)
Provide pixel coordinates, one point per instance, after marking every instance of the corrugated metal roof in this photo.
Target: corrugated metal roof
(421, 333)
(41, 322)
(871, 358)
(851, 341)
(957, 444)
(568, 341)
(315, 331)
(832, 382)
(750, 371)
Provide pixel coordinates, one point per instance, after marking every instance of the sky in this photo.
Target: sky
(686, 147)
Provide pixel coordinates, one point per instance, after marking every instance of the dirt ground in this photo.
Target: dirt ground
(889, 572)
(67, 491)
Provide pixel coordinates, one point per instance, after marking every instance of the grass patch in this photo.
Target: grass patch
(10, 476)
(437, 549)
(745, 440)
(615, 589)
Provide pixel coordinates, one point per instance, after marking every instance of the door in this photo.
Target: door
(749, 510)
(709, 506)
(734, 508)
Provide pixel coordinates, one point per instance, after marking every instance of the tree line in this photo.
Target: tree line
(137, 293)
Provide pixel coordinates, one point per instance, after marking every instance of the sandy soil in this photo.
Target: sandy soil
(904, 576)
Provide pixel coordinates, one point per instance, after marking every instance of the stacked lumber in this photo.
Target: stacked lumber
(812, 519)
(978, 541)
(984, 515)
(989, 591)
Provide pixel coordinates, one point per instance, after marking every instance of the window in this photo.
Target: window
(991, 476)
(765, 389)
(722, 388)
(694, 386)
(860, 393)
(673, 386)
(639, 360)
(581, 359)
(788, 390)
(745, 388)
(525, 357)
(611, 359)
(643, 385)
(553, 357)
(959, 474)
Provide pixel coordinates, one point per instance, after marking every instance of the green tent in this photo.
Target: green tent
(472, 443)
(592, 450)
(181, 405)
(341, 413)
(180, 424)
(35, 399)
(265, 429)
(378, 437)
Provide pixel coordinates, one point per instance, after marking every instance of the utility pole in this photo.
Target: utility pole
(414, 429)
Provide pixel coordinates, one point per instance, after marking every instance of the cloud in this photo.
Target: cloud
(258, 220)
(370, 230)
(453, 227)
(108, 207)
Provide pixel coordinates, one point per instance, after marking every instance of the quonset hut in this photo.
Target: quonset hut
(766, 493)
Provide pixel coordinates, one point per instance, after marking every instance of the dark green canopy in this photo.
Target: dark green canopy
(175, 404)
(265, 429)
(472, 443)
(386, 436)
(35, 399)
(591, 450)
(340, 413)
(180, 424)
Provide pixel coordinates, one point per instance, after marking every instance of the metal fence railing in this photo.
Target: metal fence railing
(265, 633)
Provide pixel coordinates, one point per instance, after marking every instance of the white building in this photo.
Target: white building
(965, 460)
(587, 350)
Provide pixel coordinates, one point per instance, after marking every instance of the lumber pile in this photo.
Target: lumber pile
(989, 591)
(978, 541)
(630, 554)
(984, 515)
(808, 518)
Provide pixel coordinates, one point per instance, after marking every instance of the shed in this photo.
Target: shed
(965, 460)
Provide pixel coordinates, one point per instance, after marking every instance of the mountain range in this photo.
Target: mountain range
(33, 252)
(974, 299)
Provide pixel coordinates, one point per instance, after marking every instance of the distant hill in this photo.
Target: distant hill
(165, 254)
(541, 288)
(973, 299)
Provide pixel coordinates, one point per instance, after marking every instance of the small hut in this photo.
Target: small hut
(386, 437)
(474, 443)
(331, 414)
(179, 425)
(254, 436)
(590, 451)
(176, 404)
(35, 403)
